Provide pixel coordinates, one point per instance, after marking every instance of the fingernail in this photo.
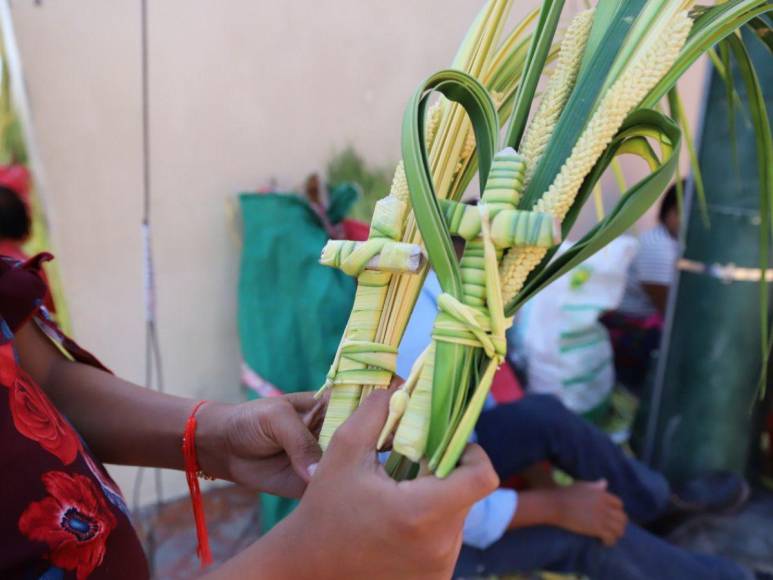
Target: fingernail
(312, 468)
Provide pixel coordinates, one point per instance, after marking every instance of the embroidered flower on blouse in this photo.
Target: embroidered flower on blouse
(74, 520)
(35, 417)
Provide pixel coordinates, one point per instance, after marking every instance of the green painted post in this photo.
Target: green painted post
(701, 407)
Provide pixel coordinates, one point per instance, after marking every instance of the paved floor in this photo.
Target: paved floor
(746, 537)
(233, 521)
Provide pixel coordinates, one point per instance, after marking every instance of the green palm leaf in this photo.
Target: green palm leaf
(583, 100)
(631, 139)
(470, 94)
(764, 149)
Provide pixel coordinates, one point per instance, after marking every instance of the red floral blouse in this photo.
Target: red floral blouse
(62, 515)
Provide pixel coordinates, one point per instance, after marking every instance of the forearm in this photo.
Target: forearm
(536, 508)
(275, 555)
(121, 422)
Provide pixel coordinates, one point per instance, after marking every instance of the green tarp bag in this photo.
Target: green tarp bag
(292, 311)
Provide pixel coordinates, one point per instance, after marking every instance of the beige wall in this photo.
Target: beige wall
(240, 92)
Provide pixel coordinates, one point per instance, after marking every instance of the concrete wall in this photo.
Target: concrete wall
(240, 93)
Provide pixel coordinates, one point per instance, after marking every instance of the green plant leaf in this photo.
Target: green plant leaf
(676, 109)
(632, 205)
(710, 27)
(605, 13)
(541, 42)
(581, 103)
(733, 100)
(764, 148)
(461, 88)
(763, 30)
(451, 374)
(348, 166)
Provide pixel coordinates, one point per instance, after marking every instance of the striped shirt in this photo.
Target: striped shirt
(654, 264)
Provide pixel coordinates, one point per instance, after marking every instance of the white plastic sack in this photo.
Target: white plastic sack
(566, 350)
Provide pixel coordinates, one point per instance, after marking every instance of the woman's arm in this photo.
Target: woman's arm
(354, 521)
(122, 422)
(263, 444)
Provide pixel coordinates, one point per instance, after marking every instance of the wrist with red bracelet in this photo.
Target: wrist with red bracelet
(192, 473)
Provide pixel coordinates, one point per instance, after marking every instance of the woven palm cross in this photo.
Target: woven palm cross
(471, 314)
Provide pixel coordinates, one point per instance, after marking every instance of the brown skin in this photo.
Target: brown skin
(585, 508)
(356, 522)
(263, 444)
(672, 221)
(539, 475)
(658, 293)
(353, 521)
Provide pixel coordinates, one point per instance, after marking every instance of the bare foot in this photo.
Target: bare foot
(588, 508)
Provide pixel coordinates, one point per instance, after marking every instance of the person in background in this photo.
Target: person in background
(15, 218)
(652, 271)
(636, 326)
(591, 527)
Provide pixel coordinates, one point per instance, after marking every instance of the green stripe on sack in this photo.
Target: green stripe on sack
(589, 376)
(568, 334)
(582, 307)
(579, 345)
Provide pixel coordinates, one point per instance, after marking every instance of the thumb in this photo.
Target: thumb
(600, 484)
(292, 435)
(358, 435)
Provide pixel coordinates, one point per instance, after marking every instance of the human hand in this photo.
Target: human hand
(266, 444)
(354, 521)
(588, 508)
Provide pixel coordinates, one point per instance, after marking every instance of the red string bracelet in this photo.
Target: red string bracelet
(192, 470)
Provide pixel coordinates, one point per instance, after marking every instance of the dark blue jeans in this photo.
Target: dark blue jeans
(538, 428)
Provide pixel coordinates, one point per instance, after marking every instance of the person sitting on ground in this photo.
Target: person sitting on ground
(62, 413)
(592, 527)
(636, 326)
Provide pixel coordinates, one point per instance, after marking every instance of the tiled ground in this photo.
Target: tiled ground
(746, 537)
(233, 522)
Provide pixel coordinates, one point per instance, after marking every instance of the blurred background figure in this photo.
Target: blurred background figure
(15, 215)
(590, 519)
(16, 218)
(562, 347)
(636, 326)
